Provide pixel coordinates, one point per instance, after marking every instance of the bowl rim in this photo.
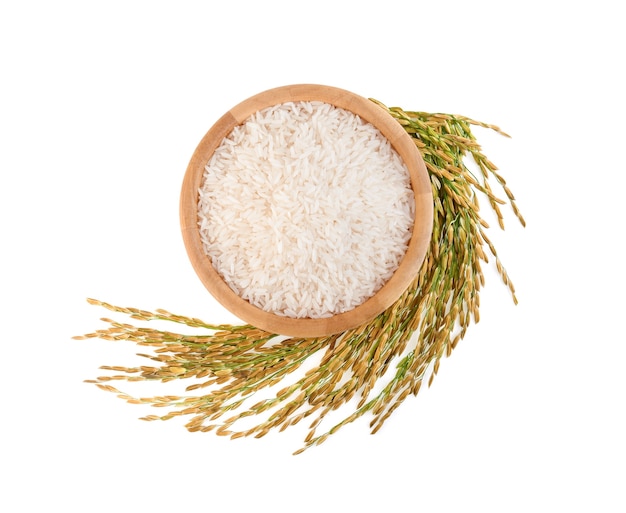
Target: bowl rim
(389, 292)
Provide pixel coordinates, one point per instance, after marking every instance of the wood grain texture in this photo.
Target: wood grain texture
(411, 262)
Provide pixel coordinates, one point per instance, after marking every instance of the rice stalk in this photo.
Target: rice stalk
(230, 364)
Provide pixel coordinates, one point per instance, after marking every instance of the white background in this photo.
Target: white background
(101, 107)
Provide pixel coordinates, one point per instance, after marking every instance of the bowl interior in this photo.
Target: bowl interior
(394, 287)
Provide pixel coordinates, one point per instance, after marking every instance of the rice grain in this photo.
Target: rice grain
(305, 210)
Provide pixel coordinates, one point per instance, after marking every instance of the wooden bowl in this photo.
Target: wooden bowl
(395, 286)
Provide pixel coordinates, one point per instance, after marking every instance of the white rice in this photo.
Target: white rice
(305, 210)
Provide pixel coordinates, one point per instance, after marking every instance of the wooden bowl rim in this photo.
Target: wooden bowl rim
(395, 286)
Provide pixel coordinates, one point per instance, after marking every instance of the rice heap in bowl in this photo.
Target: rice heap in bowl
(305, 210)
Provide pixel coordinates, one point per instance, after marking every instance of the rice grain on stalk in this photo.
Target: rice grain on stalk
(380, 363)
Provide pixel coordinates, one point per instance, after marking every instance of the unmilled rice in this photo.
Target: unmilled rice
(305, 210)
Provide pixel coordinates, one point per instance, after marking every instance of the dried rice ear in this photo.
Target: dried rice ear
(379, 363)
